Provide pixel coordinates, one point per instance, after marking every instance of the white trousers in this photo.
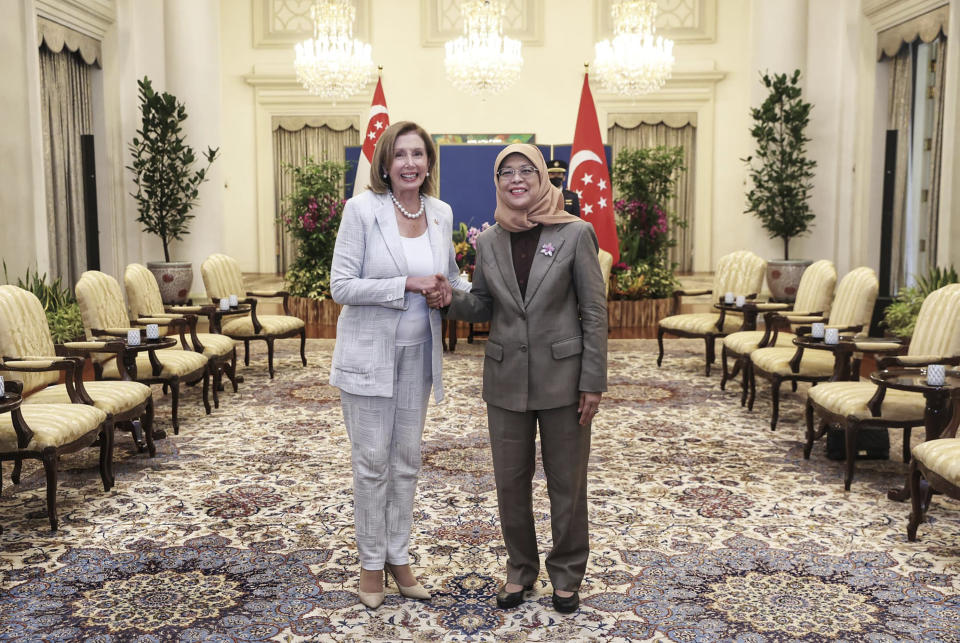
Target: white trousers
(385, 435)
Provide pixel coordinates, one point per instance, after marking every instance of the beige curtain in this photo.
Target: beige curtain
(900, 107)
(674, 130)
(938, 61)
(66, 114)
(295, 139)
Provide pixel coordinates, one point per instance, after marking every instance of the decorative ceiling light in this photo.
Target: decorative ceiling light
(332, 64)
(483, 61)
(636, 61)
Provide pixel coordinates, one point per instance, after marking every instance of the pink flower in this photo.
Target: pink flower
(547, 249)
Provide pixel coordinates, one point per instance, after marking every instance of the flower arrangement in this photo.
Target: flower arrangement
(312, 217)
(645, 180)
(465, 245)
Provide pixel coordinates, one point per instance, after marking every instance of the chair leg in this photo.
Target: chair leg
(850, 443)
(246, 352)
(916, 502)
(270, 356)
(49, 459)
(175, 405)
(808, 446)
(217, 378)
(660, 345)
(711, 355)
(775, 398)
(106, 455)
(206, 389)
(303, 345)
(17, 469)
(724, 371)
(745, 384)
(906, 443)
(146, 424)
(793, 385)
(232, 373)
(753, 389)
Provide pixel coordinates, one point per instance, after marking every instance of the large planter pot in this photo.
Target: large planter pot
(174, 279)
(783, 278)
(315, 311)
(622, 313)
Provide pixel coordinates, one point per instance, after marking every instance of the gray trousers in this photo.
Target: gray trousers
(565, 447)
(385, 437)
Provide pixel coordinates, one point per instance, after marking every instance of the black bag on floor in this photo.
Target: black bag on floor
(872, 444)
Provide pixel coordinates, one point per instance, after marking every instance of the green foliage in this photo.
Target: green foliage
(312, 216)
(162, 166)
(59, 304)
(779, 168)
(900, 317)
(645, 180)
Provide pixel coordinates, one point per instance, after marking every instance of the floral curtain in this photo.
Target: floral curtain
(295, 139)
(670, 130)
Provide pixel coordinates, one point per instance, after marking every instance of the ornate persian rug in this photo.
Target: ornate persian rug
(706, 526)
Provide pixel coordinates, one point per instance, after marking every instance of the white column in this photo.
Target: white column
(192, 61)
(779, 39)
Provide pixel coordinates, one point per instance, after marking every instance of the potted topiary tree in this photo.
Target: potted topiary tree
(781, 173)
(167, 183)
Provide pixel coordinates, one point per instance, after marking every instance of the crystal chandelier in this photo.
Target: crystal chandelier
(636, 61)
(483, 61)
(332, 64)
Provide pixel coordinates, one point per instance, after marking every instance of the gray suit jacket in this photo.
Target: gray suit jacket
(545, 349)
(368, 276)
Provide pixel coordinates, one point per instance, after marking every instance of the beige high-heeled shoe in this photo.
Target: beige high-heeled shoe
(417, 591)
(373, 600)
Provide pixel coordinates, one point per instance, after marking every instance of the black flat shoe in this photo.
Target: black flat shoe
(508, 600)
(566, 604)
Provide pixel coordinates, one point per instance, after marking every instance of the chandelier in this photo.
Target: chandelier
(635, 62)
(332, 64)
(483, 61)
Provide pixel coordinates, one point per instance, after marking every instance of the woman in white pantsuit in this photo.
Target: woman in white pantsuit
(393, 246)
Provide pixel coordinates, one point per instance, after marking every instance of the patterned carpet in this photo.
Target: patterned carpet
(706, 526)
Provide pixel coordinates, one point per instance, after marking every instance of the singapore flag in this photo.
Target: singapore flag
(589, 175)
(375, 126)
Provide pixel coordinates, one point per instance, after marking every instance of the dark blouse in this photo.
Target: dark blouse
(523, 246)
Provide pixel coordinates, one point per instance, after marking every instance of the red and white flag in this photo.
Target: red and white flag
(375, 126)
(590, 176)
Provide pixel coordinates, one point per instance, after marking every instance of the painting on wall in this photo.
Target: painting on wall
(483, 139)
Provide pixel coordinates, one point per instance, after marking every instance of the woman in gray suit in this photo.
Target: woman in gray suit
(393, 245)
(538, 281)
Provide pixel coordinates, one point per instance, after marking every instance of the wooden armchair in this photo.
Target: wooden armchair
(850, 312)
(857, 406)
(222, 278)
(814, 297)
(937, 462)
(47, 431)
(25, 335)
(104, 315)
(739, 272)
(146, 306)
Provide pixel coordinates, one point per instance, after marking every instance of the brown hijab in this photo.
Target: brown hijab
(547, 208)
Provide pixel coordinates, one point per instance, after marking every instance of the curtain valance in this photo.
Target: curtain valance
(56, 36)
(926, 27)
(675, 120)
(297, 123)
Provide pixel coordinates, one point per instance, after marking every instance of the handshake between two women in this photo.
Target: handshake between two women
(436, 289)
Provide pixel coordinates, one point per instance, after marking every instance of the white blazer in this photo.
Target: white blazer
(368, 276)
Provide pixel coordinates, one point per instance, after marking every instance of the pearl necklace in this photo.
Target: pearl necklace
(403, 210)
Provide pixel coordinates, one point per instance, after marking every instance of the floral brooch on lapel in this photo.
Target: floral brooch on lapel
(547, 249)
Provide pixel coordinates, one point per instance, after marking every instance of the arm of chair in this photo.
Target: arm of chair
(917, 361)
(182, 323)
(218, 314)
(24, 433)
(72, 368)
(273, 293)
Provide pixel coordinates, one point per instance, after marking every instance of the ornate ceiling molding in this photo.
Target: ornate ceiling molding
(88, 17)
(440, 21)
(884, 14)
(282, 23)
(683, 21)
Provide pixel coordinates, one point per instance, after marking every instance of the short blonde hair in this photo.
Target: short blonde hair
(383, 158)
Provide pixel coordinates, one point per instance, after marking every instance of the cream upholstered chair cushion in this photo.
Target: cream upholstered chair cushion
(53, 425)
(222, 278)
(776, 359)
(144, 300)
(24, 332)
(941, 456)
(746, 341)
(851, 398)
(739, 272)
(101, 307)
(606, 267)
(701, 323)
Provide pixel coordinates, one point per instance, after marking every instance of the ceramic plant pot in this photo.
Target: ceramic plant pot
(783, 277)
(174, 279)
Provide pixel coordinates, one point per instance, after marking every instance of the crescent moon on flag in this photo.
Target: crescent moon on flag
(580, 157)
(377, 109)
